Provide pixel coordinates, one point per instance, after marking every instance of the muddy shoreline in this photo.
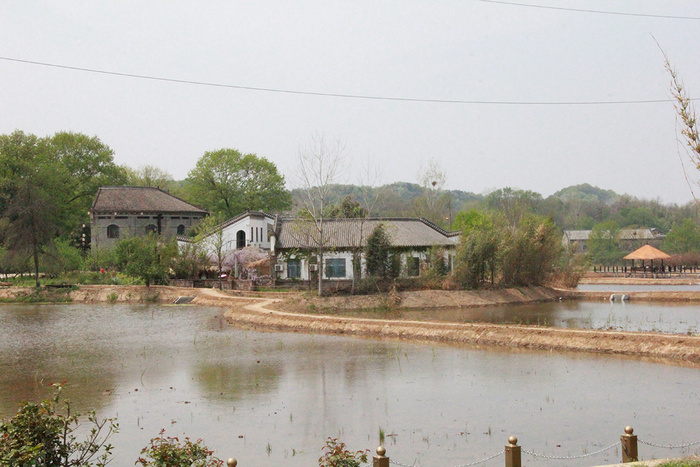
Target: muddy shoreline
(289, 312)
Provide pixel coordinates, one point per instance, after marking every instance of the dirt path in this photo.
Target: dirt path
(257, 313)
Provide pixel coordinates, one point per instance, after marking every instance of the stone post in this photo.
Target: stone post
(513, 453)
(629, 446)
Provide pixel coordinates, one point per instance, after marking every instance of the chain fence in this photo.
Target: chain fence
(548, 457)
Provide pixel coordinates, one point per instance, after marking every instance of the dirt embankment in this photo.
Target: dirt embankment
(100, 294)
(267, 314)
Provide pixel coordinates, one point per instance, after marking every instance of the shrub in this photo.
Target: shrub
(171, 452)
(336, 455)
(38, 435)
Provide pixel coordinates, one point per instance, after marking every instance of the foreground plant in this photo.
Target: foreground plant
(41, 435)
(336, 455)
(166, 451)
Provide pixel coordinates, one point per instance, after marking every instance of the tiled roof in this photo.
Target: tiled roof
(137, 199)
(349, 233)
(625, 234)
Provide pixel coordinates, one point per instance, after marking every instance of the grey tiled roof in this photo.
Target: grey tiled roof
(625, 234)
(137, 199)
(349, 233)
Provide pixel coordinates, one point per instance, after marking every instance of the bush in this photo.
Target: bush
(38, 435)
(171, 452)
(336, 455)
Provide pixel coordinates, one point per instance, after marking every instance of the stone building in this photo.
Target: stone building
(118, 211)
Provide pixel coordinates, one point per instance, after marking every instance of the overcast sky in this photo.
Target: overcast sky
(540, 60)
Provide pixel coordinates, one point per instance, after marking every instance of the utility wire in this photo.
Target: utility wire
(328, 94)
(582, 10)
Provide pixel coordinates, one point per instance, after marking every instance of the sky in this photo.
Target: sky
(500, 94)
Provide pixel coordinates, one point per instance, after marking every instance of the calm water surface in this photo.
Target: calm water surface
(635, 316)
(271, 399)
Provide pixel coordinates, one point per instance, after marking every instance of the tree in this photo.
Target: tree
(683, 238)
(88, 164)
(377, 253)
(148, 175)
(320, 163)
(145, 257)
(211, 238)
(687, 120)
(531, 252)
(431, 204)
(31, 193)
(228, 182)
(478, 254)
(604, 244)
(514, 204)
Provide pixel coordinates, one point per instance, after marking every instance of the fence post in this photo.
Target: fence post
(380, 460)
(232, 462)
(512, 452)
(629, 446)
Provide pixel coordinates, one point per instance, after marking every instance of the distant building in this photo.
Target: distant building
(118, 211)
(252, 228)
(293, 245)
(630, 239)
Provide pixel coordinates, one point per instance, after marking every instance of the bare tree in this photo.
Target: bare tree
(432, 203)
(320, 164)
(686, 119)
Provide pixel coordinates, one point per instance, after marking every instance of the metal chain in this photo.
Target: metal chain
(581, 456)
(668, 446)
(460, 465)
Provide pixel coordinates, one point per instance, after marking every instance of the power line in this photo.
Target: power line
(582, 10)
(328, 94)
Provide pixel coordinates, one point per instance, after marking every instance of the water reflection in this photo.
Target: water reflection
(184, 370)
(635, 316)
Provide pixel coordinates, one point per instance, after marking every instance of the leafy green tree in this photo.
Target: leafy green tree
(190, 260)
(347, 209)
(61, 256)
(166, 451)
(87, 164)
(377, 253)
(43, 435)
(604, 244)
(145, 257)
(513, 204)
(471, 219)
(228, 182)
(477, 259)
(32, 195)
(148, 175)
(683, 238)
(531, 252)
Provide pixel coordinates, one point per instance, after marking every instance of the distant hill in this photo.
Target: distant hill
(586, 192)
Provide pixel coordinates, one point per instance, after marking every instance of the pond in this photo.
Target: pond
(658, 287)
(271, 399)
(635, 316)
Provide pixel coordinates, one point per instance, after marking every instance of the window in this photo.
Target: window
(413, 266)
(293, 268)
(335, 267)
(151, 228)
(181, 229)
(112, 231)
(240, 239)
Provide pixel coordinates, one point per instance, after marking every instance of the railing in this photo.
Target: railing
(512, 452)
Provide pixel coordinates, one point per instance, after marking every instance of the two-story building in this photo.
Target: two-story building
(118, 211)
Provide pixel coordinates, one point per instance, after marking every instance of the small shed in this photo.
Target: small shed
(647, 253)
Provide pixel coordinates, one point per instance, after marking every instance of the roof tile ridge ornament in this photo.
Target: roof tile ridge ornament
(434, 226)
